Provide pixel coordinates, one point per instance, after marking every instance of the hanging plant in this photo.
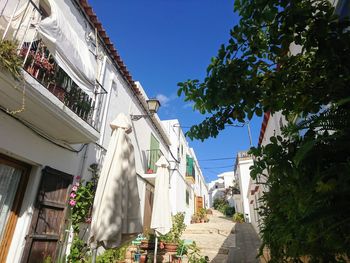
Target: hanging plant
(9, 58)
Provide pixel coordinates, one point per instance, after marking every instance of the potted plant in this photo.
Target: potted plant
(202, 214)
(148, 242)
(194, 218)
(172, 239)
(149, 171)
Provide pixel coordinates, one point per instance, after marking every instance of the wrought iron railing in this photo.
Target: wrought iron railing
(41, 65)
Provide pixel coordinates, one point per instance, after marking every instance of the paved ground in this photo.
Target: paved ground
(247, 245)
(223, 241)
(214, 238)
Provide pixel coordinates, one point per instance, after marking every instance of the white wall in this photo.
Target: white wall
(179, 149)
(273, 128)
(243, 173)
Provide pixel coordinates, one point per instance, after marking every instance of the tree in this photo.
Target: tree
(307, 208)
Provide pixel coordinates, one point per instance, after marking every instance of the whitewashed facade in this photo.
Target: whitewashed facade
(272, 125)
(187, 185)
(218, 187)
(62, 128)
(242, 173)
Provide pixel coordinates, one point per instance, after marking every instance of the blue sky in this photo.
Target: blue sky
(164, 42)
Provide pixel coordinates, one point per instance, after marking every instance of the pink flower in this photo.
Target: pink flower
(72, 202)
(78, 177)
(72, 195)
(77, 183)
(88, 220)
(74, 188)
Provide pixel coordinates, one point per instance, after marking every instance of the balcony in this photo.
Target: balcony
(190, 178)
(152, 156)
(190, 170)
(52, 102)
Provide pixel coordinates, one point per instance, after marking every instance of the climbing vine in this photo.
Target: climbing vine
(81, 201)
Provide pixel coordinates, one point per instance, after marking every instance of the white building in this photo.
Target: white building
(188, 190)
(271, 126)
(242, 173)
(75, 85)
(218, 187)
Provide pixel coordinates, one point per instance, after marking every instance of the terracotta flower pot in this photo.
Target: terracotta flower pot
(171, 247)
(176, 259)
(143, 258)
(146, 245)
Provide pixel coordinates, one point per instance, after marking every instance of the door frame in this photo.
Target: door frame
(29, 238)
(5, 243)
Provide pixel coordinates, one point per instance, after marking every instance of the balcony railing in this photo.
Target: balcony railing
(41, 65)
(152, 157)
(191, 176)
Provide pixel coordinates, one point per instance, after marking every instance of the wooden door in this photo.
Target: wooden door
(199, 203)
(147, 213)
(48, 220)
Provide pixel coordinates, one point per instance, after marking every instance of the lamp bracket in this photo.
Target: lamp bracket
(137, 117)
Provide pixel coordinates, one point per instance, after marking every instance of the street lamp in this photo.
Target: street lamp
(152, 105)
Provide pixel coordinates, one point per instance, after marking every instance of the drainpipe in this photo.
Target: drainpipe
(105, 110)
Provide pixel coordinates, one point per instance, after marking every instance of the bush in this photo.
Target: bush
(219, 203)
(229, 211)
(238, 218)
(222, 205)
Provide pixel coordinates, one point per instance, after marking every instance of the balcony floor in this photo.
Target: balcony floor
(44, 111)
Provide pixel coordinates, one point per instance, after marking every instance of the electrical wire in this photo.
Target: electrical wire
(217, 159)
(226, 125)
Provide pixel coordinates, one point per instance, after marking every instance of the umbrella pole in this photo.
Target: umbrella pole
(94, 254)
(155, 250)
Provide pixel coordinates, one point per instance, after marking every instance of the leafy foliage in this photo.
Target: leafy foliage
(222, 205)
(78, 251)
(9, 58)
(82, 198)
(238, 218)
(193, 254)
(177, 229)
(81, 201)
(253, 74)
(306, 209)
(113, 255)
(290, 56)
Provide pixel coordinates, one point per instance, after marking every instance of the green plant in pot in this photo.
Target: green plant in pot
(172, 239)
(148, 242)
(9, 59)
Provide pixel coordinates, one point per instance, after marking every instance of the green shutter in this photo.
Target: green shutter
(189, 166)
(154, 153)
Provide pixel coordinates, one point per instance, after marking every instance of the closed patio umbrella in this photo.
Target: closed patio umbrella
(161, 213)
(116, 211)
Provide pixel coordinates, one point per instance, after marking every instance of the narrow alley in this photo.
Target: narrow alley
(224, 241)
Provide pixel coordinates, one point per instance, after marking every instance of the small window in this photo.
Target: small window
(187, 197)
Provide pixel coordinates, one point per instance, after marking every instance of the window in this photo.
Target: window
(187, 197)
(153, 155)
(189, 166)
(13, 182)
